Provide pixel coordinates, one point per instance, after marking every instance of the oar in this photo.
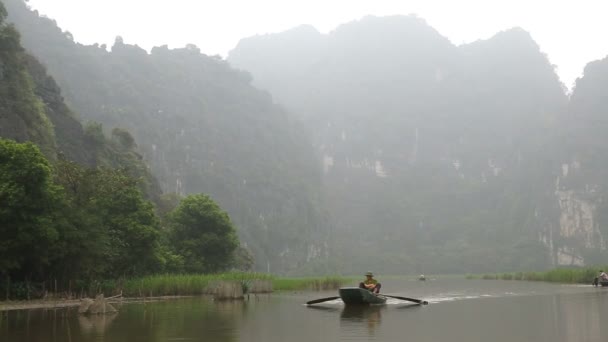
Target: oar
(321, 300)
(419, 301)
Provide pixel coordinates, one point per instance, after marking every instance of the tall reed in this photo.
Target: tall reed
(176, 285)
(315, 284)
(558, 275)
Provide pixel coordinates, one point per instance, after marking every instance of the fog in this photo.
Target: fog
(571, 33)
(326, 138)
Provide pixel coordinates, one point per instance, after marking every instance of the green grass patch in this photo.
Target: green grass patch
(198, 284)
(180, 285)
(315, 284)
(559, 275)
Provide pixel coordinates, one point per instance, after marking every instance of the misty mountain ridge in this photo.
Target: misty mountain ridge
(426, 156)
(453, 152)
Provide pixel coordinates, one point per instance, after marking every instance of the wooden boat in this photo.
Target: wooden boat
(604, 283)
(359, 296)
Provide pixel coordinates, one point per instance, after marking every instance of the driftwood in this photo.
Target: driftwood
(99, 306)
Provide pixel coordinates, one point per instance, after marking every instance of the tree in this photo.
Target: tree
(113, 230)
(203, 235)
(27, 203)
(129, 220)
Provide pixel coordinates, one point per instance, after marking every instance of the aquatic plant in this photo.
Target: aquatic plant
(559, 275)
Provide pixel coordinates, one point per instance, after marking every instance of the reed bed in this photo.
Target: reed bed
(558, 275)
(314, 284)
(183, 285)
(186, 285)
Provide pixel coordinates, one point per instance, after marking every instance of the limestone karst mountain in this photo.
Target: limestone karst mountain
(439, 156)
(420, 155)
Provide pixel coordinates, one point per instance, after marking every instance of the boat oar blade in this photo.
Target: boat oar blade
(419, 301)
(321, 300)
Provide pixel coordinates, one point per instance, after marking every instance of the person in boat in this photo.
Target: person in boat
(602, 277)
(370, 283)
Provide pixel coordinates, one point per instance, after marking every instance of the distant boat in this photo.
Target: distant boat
(422, 277)
(359, 296)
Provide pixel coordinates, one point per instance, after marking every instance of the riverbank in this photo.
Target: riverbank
(558, 275)
(172, 286)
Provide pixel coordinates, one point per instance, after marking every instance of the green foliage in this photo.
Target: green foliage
(116, 231)
(22, 111)
(80, 224)
(28, 199)
(243, 259)
(84, 214)
(203, 235)
(124, 138)
(167, 203)
(94, 134)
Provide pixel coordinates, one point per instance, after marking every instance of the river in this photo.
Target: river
(459, 310)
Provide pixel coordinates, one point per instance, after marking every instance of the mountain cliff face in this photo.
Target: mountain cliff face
(580, 185)
(32, 108)
(441, 157)
(203, 128)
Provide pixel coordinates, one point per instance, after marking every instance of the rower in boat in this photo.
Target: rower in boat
(370, 283)
(601, 279)
(367, 293)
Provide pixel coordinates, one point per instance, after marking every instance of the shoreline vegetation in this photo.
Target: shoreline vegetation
(559, 275)
(171, 286)
(179, 285)
(162, 287)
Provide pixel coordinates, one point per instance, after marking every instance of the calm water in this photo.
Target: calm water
(459, 310)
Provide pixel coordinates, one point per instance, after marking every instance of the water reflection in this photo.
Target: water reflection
(584, 318)
(370, 315)
(95, 325)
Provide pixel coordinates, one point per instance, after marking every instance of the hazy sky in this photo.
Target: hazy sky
(570, 32)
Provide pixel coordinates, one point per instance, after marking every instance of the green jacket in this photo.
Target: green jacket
(370, 281)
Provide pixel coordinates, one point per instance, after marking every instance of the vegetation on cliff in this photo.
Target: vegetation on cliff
(204, 129)
(76, 205)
